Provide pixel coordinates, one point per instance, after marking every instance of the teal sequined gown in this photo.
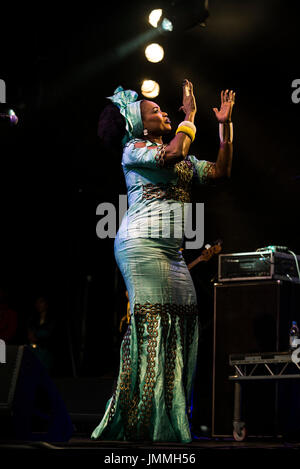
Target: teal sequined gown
(159, 350)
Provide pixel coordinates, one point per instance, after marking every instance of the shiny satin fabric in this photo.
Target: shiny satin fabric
(126, 101)
(155, 274)
(158, 354)
(154, 271)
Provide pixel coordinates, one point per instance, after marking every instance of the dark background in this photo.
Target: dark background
(59, 63)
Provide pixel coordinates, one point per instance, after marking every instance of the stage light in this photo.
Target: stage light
(180, 15)
(12, 117)
(154, 17)
(150, 88)
(167, 25)
(154, 53)
(157, 19)
(8, 114)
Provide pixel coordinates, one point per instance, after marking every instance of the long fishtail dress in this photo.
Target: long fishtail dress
(159, 350)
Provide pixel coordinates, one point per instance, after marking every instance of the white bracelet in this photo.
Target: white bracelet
(226, 132)
(188, 124)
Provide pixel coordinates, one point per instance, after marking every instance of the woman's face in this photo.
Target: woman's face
(154, 119)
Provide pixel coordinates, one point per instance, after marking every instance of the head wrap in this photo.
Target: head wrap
(126, 100)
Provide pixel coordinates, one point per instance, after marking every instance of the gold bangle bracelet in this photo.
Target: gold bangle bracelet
(187, 131)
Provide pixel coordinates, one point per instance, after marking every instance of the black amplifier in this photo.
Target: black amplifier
(258, 265)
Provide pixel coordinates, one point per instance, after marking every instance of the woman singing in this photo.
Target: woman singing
(159, 350)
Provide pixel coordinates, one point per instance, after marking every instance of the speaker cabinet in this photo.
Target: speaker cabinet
(30, 405)
(250, 317)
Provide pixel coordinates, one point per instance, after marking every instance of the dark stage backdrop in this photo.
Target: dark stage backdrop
(58, 64)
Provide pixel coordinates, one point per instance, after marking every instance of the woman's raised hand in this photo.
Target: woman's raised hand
(227, 101)
(188, 100)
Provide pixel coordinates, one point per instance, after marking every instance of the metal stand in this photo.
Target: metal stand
(258, 367)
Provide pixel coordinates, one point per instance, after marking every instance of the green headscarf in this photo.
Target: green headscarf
(126, 100)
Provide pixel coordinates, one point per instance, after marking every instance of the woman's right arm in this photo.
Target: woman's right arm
(179, 146)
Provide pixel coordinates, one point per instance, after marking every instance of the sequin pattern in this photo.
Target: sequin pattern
(160, 155)
(161, 322)
(179, 191)
(168, 322)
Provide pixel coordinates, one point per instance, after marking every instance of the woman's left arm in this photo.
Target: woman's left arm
(223, 164)
(207, 171)
(222, 167)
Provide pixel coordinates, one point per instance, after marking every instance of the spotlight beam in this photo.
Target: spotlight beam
(77, 75)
